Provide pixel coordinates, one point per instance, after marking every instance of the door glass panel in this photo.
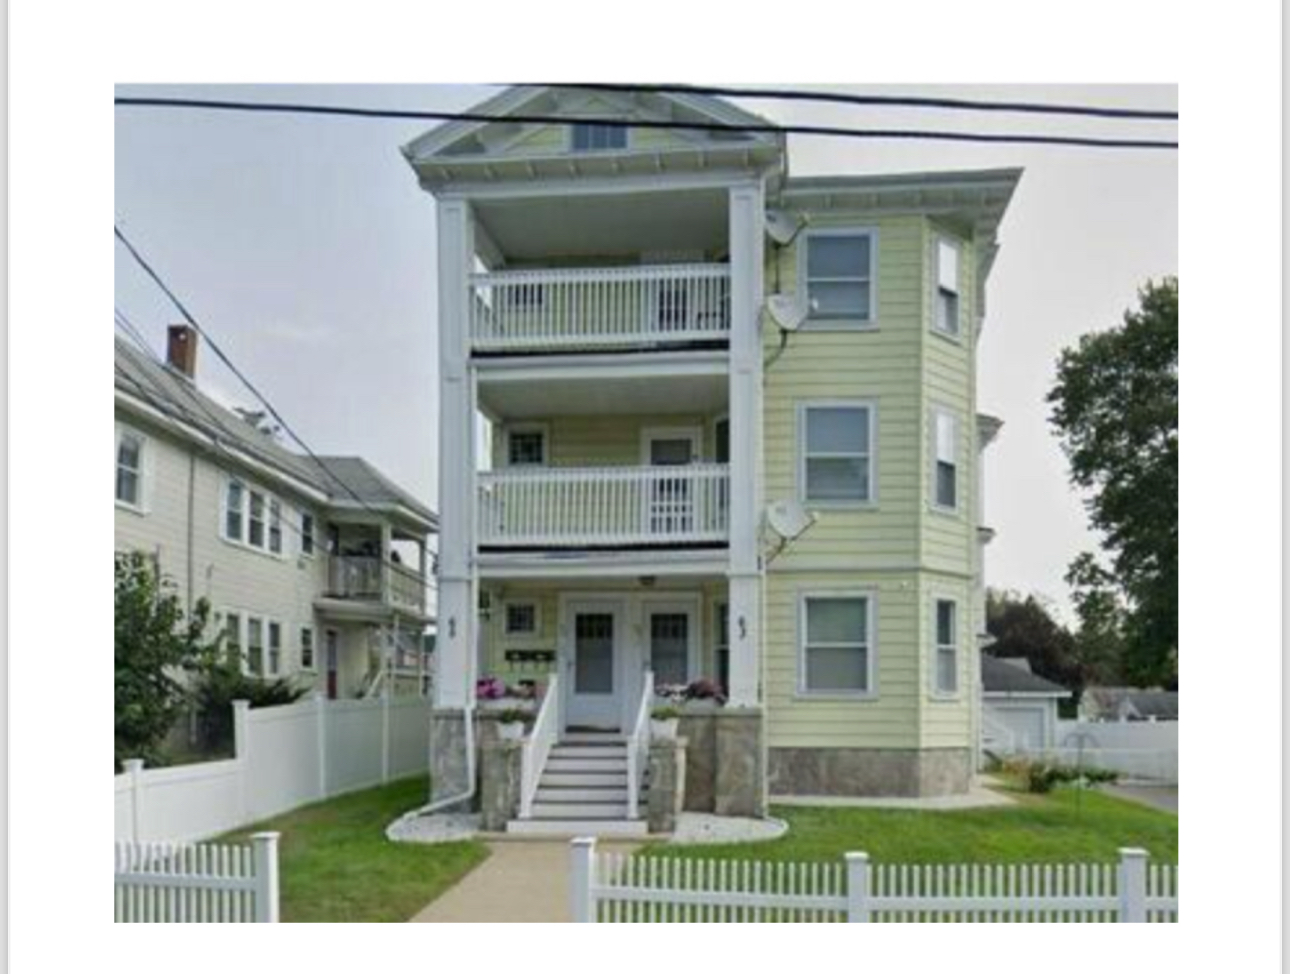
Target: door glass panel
(593, 653)
(669, 647)
(671, 510)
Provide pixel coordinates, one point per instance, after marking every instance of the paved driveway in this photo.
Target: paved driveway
(1162, 797)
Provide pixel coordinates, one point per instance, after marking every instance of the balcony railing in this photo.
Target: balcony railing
(595, 507)
(600, 308)
(370, 579)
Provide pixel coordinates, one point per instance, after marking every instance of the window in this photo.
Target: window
(590, 137)
(275, 526)
(945, 460)
(234, 508)
(275, 648)
(526, 448)
(721, 449)
(837, 453)
(129, 469)
(307, 661)
(255, 523)
(253, 517)
(947, 288)
(837, 645)
(233, 637)
(306, 533)
(839, 276)
(946, 664)
(521, 619)
(721, 651)
(255, 646)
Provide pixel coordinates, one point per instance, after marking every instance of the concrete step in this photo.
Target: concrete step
(597, 751)
(604, 765)
(580, 810)
(575, 828)
(583, 779)
(575, 795)
(591, 737)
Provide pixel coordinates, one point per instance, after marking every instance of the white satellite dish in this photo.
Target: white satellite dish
(788, 519)
(787, 311)
(782, 227)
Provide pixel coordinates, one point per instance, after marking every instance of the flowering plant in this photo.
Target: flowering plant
(490, 688)
(672, 692)
(701, 689)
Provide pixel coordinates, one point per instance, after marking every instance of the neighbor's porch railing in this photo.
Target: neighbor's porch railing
(589, 308)
(537, 745)
(604, 506)
(369, 578)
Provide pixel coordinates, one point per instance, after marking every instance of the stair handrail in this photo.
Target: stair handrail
(538, 743)
(638, 746)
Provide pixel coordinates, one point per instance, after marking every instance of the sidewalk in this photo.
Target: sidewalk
(520, 882)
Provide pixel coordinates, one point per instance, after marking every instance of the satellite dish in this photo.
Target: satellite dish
(787, 311)
(782, 227)
(788, 519)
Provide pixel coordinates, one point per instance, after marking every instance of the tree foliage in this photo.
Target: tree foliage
(1115, 407)
(219, 686)
(155, 645)
(1025, 627)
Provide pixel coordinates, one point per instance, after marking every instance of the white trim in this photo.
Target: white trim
(586, 367)
(533, 633)
(844, 323)
(803, 407)
(870, 595)
(653, 182)
(936, 412)
(690, 564)
(935, 646)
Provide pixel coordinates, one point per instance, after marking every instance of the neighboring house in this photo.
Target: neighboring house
(316, 571)
(1128, 703)
(1019, 708)
(605, 304)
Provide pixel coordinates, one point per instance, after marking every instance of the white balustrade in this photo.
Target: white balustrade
(638, 747)
(537, 745)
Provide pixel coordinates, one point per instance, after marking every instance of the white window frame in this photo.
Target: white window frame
(803, 409)
(937, 648)
(825, 322)
(527, 428)
(140, 504)
(940, 414)
(870, 596)
(312, 665)
(521, 633)
(941, 244)
(574, 148)
(273, 507)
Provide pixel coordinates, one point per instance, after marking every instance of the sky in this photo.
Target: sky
(305, 248)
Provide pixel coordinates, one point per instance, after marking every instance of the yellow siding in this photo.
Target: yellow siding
(946, 721)
(606, 441)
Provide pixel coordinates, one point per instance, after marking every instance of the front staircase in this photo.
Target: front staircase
(582, 790)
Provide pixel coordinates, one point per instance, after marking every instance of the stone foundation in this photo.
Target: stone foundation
(666, 783)
(448, 768)
(725, 770)
(500, 782)
(869, 772)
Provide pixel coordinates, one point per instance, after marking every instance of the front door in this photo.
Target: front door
(593, 665)
(670, 501)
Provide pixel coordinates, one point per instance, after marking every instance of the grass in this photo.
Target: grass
(336, 865)
(1062, 826)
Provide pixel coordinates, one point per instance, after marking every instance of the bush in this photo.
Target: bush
(1040, 777)
(665, 713)
(214, 696)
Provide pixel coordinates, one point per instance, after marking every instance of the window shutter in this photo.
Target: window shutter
(947, 267)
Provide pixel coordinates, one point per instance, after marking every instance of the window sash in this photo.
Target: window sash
(945, 632)
(515, 613)
(255, 521)
(832, 665)
(830, 293)
(307, 661)
(721, 647)
(519, 448)
(255, 646)
(838, 475)
(275, 648)
(275, 526)
(306, 533)
(591, 137)
(234, 506)
(129, 468)
(945, 465)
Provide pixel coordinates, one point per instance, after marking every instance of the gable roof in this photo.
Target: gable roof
(1003, 676)
(170, 399)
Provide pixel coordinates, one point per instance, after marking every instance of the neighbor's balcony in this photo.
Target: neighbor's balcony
(372, 579)
(591, 309)
(605, 507)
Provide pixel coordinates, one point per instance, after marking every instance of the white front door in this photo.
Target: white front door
(593, 663)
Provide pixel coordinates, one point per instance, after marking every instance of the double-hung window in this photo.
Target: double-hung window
(307, 648)
(947, 289)
(275, 525)
(837, 453)
(837, 644)
(254, 518)
(945, 666)
(591, 137)
(275, 648)
(526, 447)
(255, 646)
(945, 467)
(234, 510)
(233, 638)
(839, 276)
(255, 523)
(306, 533)
(521, 619)
(129, 468)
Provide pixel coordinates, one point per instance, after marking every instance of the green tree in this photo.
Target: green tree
(155, 645)
(1024, 627)
(1099, 640)
(1115, 407)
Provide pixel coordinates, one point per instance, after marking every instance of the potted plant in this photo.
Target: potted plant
(510, 723)
(663, 722)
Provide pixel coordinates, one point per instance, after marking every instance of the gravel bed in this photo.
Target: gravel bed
(696, 828)
(428, 829)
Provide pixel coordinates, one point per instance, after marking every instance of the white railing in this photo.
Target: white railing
(638, 747)
(604, 506)
(537, 746)
(589, 308)
(626, 888)
(369, 578)
(170, 883)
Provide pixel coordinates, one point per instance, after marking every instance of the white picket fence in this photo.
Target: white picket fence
(623, 888)
(285, 757)
(160, 882)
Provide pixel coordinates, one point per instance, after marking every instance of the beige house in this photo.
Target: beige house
(315, 570)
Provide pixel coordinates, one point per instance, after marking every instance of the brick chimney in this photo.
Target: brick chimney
(181, 349)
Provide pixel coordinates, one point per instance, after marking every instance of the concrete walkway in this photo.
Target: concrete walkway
(1163, 797)
(520, 882)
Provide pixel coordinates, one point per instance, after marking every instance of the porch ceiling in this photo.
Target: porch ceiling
(536, 398)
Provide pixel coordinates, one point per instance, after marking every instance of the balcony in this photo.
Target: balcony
(600, 309)
(370, 579)
(605, 507)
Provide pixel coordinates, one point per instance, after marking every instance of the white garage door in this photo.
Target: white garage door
(1026, 724)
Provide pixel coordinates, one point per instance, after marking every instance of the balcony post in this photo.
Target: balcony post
(747, 209)
(455, 642)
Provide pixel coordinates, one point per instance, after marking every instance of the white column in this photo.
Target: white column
(455, 640)
(745, 574)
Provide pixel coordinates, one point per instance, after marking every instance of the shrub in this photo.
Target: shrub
(513, 715)
(665, 713)
(219, 687)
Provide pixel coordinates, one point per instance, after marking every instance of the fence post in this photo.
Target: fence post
(134, 768)
(582, 900)
(242, 755)
(1133, 885)
(857, 887)
(320, 735)
(265, 846)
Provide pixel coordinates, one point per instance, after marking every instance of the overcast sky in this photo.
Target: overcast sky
(305, 247)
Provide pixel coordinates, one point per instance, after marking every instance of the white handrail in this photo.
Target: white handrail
(538, 744)
(638, 746)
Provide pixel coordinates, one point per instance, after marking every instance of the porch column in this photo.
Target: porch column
(455, 642)
(746, 254)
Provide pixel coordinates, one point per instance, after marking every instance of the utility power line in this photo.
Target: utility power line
(298, 108)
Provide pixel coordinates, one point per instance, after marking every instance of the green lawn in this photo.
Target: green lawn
(336, 865)
(1063, 826)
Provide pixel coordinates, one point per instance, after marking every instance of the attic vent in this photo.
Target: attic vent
(590, 137)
